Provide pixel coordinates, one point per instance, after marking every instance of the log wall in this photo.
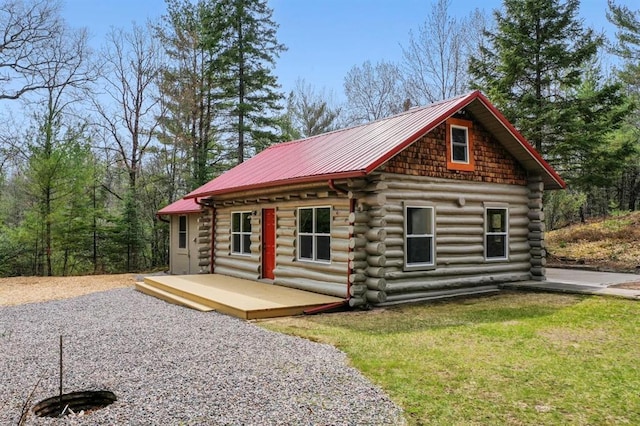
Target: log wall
(205, 220)
(459, 241)
(326, 278)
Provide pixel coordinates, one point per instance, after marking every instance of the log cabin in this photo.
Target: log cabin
(437, 201)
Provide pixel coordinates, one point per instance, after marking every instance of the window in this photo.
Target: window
(314, 234)
(241, 232)
(182, 232)
(419, 239)
(459, 145)
(496, 236)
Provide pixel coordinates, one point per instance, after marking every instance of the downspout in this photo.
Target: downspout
(213, 233)
(345, 302)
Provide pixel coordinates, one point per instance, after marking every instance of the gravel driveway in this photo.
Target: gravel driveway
(170, 365)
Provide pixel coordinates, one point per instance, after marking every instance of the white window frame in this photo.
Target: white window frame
(314, 234)
(453, 143)
(488, 233)
(242, 233)
(432, 235)
(184, 232)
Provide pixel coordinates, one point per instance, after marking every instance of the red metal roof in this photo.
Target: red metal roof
(182, 206)
(355, 151)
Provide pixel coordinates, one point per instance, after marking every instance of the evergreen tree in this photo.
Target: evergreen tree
(247, 33)
(532, 65)
(191, 94)
(627, 48)
(587, 154)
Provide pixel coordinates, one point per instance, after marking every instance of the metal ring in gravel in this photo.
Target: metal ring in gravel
(170, 365)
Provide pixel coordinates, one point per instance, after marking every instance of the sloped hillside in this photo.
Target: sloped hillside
(611, 244)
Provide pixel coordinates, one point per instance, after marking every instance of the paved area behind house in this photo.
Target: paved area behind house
(583, 282)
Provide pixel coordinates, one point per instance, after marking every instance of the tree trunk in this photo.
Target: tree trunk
(241, 86)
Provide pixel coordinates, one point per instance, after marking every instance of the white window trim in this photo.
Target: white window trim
(424, 265)
(313, 234)
(466, 144)
(242, 233)
(186, 233)
(504, 207)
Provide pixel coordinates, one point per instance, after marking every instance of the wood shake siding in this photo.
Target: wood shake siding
(427, 157)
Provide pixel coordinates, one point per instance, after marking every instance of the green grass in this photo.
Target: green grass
(515, 358)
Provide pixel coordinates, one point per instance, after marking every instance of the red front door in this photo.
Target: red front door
(268, 242)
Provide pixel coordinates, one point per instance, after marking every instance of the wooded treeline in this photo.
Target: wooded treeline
(94, 143)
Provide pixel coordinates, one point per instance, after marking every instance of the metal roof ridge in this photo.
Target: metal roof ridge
(369, 123)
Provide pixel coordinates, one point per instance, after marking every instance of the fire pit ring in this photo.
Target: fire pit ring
(74, 402)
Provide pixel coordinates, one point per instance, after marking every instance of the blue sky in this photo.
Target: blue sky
(325, 38)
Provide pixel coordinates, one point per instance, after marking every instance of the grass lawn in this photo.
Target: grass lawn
(514, 358)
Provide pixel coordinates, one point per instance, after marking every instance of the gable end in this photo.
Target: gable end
(428, 156)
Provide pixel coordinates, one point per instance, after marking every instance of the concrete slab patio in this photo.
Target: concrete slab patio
(581, 282)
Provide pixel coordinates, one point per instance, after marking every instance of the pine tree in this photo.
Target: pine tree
(190, 94)
(247, 33)
(533, 64)
(627, 48)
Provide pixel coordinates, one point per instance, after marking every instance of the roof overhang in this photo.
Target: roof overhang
(278, 183)
(514, 142)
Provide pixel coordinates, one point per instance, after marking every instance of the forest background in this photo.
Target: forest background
(96, 141)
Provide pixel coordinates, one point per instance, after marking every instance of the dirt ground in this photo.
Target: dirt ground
(631, 286)
(19, 290)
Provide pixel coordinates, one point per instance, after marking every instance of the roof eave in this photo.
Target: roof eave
(535, 155)
(305, 179)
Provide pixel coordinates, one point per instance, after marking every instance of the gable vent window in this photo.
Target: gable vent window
(460, 145)
(241, 232)
(314, 234)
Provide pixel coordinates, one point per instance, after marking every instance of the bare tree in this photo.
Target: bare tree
(27, 30)
(312, 111)
(435, 62)
(130, 113)
(373, 92)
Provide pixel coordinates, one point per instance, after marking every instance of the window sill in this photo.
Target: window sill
(314, 262)
(419, 267)
(496, 259)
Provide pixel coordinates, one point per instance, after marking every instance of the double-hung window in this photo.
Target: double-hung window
(314, 234)
(182, 232)
(496, 235)
(459, 145)
(241, 232)
(419, 242)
